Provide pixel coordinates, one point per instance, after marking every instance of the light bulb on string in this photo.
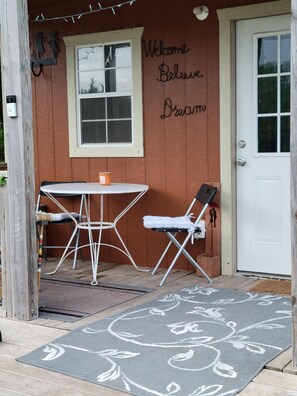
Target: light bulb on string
(66, 18)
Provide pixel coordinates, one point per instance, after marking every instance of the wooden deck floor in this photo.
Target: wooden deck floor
(277, 378)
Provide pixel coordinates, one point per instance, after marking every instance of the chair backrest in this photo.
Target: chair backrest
(206, 193)
(46, 182)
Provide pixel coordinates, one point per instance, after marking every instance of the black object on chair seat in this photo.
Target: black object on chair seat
(174, 229)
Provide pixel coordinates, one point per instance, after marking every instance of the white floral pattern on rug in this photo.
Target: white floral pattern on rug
(200, 341)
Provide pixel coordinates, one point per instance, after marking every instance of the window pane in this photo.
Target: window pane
(117, 55)
(119, 107)
(93, 132)
(118, 80)
(119, 132)
(267, 55)
(267, 95)
(285, 94)
(90, 58)
(285, 53)
(285, 134)
(267, 135)
(91, 82)
(93, 109)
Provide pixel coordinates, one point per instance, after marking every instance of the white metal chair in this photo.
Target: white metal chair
(172, 226)
(44, 219)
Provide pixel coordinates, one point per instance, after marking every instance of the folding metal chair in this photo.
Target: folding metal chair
(63, 220)
(173, 226)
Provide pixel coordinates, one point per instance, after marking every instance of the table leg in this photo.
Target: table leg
(94, 246)
(126, 251)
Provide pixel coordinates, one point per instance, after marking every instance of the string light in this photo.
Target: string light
(73, 17)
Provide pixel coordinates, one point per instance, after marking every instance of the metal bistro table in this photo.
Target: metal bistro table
(86, 190)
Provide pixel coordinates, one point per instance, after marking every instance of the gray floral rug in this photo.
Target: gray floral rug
(198, 341)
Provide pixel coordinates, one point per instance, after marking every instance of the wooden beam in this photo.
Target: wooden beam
(19, 266)
(294, 175)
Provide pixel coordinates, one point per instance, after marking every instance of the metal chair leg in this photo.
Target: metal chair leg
(186, 254)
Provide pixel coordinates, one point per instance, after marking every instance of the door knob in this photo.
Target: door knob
(241, 161)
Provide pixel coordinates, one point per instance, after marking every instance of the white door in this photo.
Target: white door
(263, 144)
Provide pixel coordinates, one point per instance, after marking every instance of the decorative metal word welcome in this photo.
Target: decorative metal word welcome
(157, 48)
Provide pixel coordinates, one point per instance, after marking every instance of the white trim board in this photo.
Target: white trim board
(227, 18)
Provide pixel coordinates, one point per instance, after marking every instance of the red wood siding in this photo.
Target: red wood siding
(181, 152)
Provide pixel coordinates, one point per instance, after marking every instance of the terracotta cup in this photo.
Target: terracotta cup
(104, 178)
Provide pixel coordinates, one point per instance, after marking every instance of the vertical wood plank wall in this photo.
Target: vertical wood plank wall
(181, 152)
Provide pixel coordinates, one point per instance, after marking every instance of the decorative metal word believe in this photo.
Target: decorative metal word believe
(166, 74)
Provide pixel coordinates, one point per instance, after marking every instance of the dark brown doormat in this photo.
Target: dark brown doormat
(70, 301)
(272, 286)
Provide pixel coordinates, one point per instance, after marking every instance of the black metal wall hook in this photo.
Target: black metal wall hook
(38, 62)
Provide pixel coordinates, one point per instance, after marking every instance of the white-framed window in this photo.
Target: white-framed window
(104, 84)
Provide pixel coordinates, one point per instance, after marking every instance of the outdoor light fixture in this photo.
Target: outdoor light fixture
(201, 12)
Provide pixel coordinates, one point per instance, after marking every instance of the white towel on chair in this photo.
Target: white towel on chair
(183, 222)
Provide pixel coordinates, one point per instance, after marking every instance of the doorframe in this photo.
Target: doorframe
(227, 19)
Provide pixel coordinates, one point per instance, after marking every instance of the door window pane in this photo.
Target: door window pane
(285, 94)
(267, 55)
(267, 135)
(285, 134)
(285, 53)
(267, 95)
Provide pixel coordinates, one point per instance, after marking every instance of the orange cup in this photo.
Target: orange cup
(104, 178)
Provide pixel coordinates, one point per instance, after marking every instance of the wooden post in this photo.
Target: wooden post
(294, 175)
(20, 259)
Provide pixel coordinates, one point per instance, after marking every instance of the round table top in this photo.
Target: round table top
(93, 188)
